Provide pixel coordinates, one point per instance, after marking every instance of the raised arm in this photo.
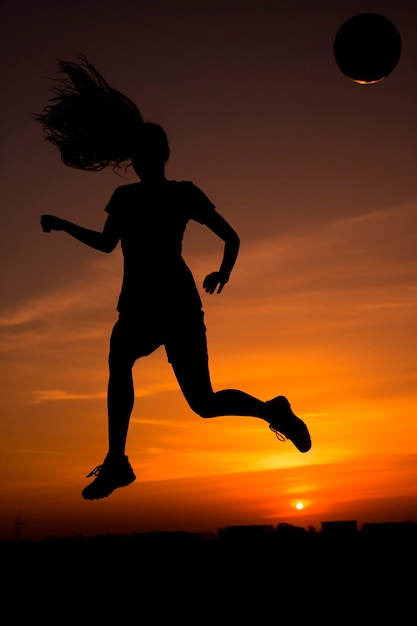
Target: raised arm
(220, 227)
(105, 241)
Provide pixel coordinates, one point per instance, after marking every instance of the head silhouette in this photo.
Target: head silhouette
(151, 152)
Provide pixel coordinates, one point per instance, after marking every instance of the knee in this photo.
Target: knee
(205, 414)
(203, 408)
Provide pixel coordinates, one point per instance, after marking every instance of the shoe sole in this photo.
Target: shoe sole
(87, 496)
(303, 447)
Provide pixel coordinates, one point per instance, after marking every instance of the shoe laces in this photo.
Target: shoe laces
(278, 434)
(96, 471)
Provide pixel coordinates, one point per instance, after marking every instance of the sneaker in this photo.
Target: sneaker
(286, 425)
(109, 476)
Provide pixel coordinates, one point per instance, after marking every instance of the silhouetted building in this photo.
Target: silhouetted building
(340, 530)
(288, 531)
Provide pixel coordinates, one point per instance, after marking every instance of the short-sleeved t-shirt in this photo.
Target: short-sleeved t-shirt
(151, 223)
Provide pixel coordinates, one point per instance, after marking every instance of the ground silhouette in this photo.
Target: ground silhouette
(248, 573)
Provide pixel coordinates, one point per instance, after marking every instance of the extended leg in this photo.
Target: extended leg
(116, 470)
(194, 380)
(120, 400)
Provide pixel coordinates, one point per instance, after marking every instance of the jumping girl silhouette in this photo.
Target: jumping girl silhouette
(95, 126)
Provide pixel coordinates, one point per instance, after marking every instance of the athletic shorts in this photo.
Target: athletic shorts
(183, 335)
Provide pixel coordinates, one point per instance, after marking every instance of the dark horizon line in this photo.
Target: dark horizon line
(340, 528)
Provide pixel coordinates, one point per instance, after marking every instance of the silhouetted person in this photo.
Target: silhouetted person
(95, 126)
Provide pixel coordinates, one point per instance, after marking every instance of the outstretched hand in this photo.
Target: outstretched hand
(214, 280)
(50, 222)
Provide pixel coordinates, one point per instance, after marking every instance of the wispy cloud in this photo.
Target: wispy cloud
(53, 395)
(62, 395)
(96, 288)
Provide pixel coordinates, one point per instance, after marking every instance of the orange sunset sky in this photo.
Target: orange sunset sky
(317, 175)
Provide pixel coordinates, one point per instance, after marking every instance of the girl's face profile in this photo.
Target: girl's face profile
(147, 164)
(152, 152)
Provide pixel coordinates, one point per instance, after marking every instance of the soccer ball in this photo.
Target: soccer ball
(367, 48)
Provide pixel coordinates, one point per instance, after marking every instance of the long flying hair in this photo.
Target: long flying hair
(92, 124)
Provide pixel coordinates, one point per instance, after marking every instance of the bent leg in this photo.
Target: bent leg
(193, 377)
(187, 353)
(196, 387)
